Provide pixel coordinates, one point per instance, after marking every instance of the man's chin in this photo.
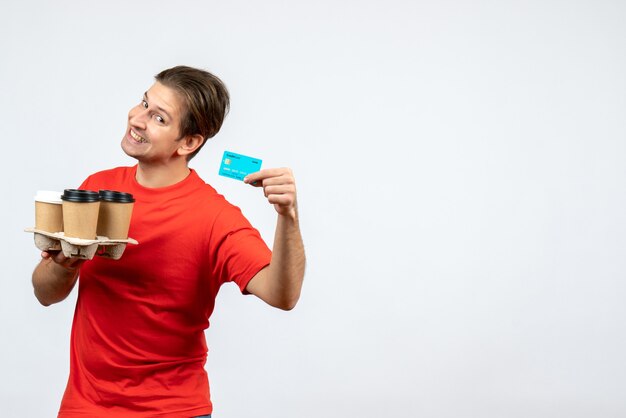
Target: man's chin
(128, 150)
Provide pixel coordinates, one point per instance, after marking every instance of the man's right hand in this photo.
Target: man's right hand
(69, 263)
(55, 276)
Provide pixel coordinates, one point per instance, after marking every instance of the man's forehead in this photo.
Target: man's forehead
(165, 98)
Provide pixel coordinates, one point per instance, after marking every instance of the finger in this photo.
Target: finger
(285, 200)
(277, 181)
(280, 189)
(256, 183)
(265, 174)
(255, 178)
(59, 258)
(69, 263)
(49, 254)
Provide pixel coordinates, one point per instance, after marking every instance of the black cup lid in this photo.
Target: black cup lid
(82, 196)
(117, 197)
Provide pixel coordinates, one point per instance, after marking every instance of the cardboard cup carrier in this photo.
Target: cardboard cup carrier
(89, 223)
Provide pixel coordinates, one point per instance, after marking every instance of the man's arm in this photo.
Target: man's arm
(55, 277)
(280, 283)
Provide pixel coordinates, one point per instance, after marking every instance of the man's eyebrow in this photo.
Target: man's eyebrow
(145, 96)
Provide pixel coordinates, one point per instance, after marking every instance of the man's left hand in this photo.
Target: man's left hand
(279, 187)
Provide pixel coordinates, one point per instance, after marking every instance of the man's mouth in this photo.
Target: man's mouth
(136, 137)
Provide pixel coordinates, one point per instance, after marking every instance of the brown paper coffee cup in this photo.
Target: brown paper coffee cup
(114, 219)
(48, 211)
(116, 209)
(80, 213)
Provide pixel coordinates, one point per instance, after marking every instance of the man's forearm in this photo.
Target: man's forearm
(53, 282)
(286, 270)
(280, 283)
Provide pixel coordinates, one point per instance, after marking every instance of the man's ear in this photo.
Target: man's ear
(189, 144)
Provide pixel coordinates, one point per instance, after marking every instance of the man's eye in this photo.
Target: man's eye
(144, 104)
(159, 119)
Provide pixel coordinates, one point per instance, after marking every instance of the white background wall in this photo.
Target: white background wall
(461, 183)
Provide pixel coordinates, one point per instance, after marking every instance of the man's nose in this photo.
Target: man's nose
(138, 117)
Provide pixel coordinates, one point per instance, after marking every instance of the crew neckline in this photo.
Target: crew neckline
(191, 178)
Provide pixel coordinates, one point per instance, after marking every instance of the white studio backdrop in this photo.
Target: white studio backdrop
(462, 190)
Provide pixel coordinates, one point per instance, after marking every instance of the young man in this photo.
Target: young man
(138, 347)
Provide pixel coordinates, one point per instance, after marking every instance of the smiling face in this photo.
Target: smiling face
(153, 132)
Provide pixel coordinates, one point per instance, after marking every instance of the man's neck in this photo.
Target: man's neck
(154, 176)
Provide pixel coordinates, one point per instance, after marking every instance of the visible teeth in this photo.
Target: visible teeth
(136, 137)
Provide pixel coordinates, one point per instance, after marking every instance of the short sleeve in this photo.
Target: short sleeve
(238, 251)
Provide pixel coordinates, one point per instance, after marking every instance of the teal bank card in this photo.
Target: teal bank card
(237, 166)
